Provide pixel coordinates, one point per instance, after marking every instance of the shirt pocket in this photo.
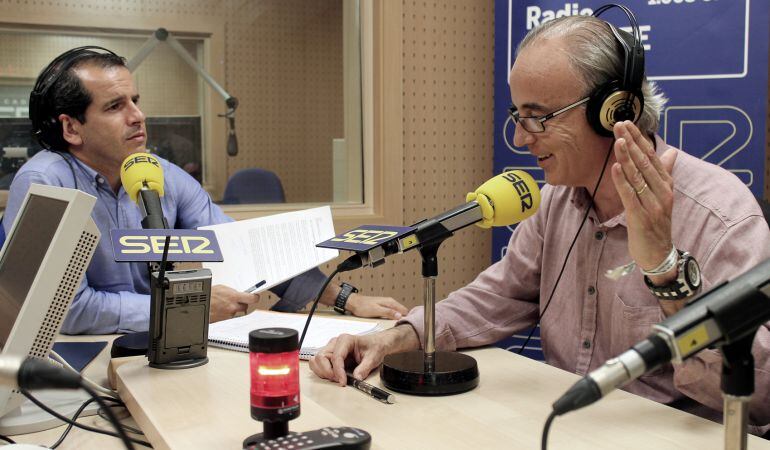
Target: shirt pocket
(631, 324)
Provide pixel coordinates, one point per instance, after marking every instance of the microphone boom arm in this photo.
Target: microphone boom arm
(163, 35)
(426, 232)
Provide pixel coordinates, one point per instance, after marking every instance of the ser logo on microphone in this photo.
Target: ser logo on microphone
(140, 159)
(521, 188)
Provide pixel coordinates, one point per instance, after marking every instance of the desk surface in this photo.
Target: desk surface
(208, 407)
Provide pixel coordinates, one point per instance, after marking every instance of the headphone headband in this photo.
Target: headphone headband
(620, 99)
(633, 57)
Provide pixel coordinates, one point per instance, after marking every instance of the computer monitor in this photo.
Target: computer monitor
(42, 263)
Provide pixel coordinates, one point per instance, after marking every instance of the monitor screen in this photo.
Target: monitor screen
(24, 253)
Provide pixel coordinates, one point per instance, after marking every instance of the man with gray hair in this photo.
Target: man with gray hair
(687, 225)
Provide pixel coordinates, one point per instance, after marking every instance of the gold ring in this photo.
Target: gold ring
(639, 191)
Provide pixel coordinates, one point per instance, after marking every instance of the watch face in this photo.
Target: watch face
(692, 272)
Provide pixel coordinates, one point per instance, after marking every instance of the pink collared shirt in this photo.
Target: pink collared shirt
(592, 318)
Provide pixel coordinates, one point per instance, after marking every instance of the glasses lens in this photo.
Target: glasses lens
(531, 124)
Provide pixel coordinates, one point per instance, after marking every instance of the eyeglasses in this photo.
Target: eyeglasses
(535, 124)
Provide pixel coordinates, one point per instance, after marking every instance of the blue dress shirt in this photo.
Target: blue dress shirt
(114, 297)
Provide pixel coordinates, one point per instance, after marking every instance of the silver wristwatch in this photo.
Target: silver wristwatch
(686, 284)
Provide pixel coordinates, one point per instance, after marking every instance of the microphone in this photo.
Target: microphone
(34, 373)
(503, 200)
(725, 314)
(142, 178)
(232, 139)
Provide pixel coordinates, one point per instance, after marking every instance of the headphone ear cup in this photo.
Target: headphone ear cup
(609, 104)
(50, 136)
(45, 128)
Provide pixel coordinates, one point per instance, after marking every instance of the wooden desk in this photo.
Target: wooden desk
(208, 407)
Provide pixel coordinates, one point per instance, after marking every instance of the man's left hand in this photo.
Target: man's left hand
(381, 307)
(226, 302)
(646, 189)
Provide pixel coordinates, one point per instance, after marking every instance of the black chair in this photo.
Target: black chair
(253, 186)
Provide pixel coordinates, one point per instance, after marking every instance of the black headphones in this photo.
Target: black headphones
(621, 99)
(46, 127)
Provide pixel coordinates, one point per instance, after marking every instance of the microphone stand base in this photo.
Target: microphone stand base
(182, 364)
(131, 344)
(410, 373)
(135, 344)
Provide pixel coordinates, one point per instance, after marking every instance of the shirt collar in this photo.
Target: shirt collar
(94, 177)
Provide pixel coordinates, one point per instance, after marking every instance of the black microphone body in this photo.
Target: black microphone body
(232, 140)
(35, 373)
(643, 357)
(149, 202)
(727, 313)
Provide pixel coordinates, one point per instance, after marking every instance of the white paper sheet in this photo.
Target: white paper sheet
(272, 248)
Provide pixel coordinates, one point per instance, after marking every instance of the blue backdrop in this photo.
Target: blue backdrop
(710, 58)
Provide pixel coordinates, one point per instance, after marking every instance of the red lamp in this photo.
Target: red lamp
(274, 370)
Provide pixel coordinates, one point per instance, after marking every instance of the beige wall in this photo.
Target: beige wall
(284, 62)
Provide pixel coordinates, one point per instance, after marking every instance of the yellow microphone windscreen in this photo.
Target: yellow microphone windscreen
(513, 196)
(141, 169)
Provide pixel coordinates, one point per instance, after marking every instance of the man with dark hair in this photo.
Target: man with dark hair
(58, 90)
(85, 111)
(660, 209)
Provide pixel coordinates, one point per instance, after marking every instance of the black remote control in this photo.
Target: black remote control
(328, 437)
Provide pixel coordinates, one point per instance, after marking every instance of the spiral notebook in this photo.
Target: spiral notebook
(233, 334)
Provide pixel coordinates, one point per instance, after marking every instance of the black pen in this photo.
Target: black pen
(255, 287)
(373, 391)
